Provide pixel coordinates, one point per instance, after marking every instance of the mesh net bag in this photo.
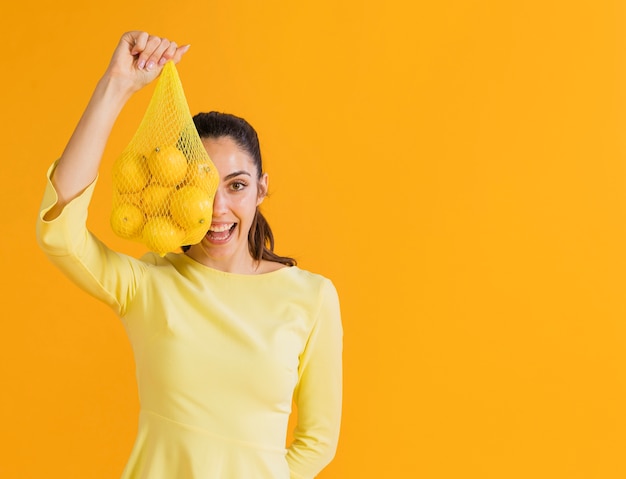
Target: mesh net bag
(164, 181)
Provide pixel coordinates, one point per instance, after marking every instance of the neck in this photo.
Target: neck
(238, 264)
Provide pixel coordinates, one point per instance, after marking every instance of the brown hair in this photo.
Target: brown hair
(219, 125)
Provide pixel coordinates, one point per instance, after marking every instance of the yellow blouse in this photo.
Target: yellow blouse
(219, 356)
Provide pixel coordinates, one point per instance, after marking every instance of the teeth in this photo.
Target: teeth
(221, 228)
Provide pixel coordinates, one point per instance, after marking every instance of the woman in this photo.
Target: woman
(226, 334)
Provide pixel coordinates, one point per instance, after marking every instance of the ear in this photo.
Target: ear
(262, 186)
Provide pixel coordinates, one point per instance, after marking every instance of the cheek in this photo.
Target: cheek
(245, 206)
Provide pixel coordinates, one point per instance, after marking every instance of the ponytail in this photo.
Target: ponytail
(261, 242)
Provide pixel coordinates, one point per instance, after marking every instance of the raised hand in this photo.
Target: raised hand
(139, 58)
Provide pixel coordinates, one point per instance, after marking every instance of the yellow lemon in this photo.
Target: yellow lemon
(161, 235)
(203, 175)
(195, 236)
(130, 172)
(192, 207)
(168, 165)
(127, 198)
(127, 220)
(155, 199)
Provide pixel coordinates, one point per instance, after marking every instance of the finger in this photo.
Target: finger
(155, 57)
(145, 59)
(180, 51)
(138, 41)
(168, 54)
(146, 50)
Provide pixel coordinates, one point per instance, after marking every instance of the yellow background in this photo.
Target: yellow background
(456, 167)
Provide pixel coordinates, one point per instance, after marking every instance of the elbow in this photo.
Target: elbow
(308, 456)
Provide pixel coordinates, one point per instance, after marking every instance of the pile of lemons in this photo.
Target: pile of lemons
(162, 199)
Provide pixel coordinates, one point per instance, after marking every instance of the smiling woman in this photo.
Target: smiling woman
(238, 230)
(225, 334)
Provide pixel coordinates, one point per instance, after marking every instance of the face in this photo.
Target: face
(240, 191)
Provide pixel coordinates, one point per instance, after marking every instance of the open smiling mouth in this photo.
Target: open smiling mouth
(220, 233)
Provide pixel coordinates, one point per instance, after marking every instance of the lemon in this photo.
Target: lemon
(195, 236)
(168, 165)
(130, 198)
(202, 174)
(161, 235)
(127, 220)
(192, 207)
(155, 199)
(130, 172)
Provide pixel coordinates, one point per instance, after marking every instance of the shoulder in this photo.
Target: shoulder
(305, 275)
(315, 283)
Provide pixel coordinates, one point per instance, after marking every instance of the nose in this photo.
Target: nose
(219, 203)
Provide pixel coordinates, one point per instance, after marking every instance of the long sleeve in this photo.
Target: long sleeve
(109, 276)
(318, 395)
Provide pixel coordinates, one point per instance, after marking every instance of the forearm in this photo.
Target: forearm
(308, 456)
(79, 163)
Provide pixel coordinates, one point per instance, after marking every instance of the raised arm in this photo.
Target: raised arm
(137, 60)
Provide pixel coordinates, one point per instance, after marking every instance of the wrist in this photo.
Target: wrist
(115, 89)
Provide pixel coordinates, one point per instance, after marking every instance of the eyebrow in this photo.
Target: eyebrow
(235, 174)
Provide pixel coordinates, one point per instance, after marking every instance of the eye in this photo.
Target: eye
(237, 185)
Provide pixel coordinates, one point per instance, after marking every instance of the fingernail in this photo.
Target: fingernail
(141, 64)
(186, 48)
(163, 61)
(150, 66)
